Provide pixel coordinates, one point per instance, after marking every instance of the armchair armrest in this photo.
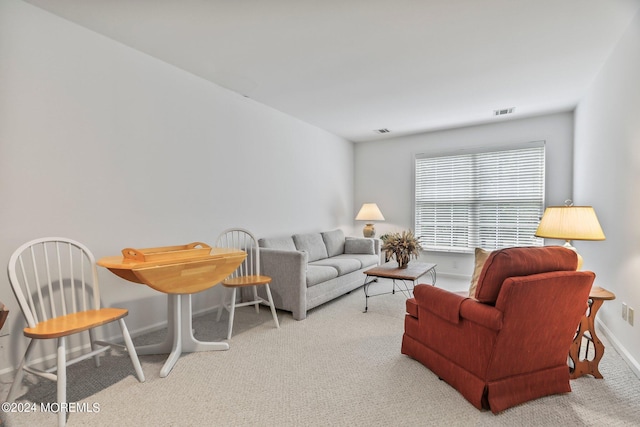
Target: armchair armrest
(454, 307)
(443, 304)
(288, 271)
(482, 314)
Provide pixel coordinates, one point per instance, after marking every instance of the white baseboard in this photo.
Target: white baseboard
(631, 361)
(456, 276)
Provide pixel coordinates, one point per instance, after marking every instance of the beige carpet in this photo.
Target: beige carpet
(339, 367)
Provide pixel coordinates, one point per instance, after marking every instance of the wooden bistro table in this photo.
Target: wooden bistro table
(390, 270)
(177, 271)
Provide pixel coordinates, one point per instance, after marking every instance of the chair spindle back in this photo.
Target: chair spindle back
(53, 277)
(239, 238)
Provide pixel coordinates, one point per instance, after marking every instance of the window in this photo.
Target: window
(490, 200)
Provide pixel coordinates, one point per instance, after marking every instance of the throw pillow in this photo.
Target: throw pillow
(359, 246)
(481, 258)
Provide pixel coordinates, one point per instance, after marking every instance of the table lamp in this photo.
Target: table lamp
(570, 223)
(369, 212)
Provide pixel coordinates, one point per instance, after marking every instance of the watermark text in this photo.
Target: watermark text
(55, 407)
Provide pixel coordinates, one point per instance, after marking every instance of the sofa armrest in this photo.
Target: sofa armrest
(288, 272)
(454, 307)
(377, 246)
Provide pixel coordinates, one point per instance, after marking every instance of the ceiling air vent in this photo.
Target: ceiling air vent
(503, 111)
(382, 131)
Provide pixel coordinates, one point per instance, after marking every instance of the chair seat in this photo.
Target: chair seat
(76, 322)
(241, 281)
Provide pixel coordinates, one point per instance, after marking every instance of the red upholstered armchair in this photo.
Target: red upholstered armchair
(510, 344)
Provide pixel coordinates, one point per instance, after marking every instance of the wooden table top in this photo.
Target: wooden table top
(120, 262)
(600, 293)
(177, 275)
(390, 270)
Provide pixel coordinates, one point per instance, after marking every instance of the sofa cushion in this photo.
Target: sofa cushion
(282, 243)
(365, 260)
(513, 262)
(359, 246)
(334, 241)
(312, 243)
(343, 265)
(320, 273)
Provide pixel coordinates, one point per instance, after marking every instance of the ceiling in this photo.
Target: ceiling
(354, 66)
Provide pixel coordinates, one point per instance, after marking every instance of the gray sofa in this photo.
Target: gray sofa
(310, 269)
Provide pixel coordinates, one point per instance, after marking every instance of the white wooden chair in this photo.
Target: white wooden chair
(246, 275)
(55, 281)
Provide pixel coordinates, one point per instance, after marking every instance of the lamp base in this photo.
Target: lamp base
(568, 245)
(369, 231)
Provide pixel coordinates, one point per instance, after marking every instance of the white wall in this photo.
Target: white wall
(607, 176)
(109, 146)
(384, 170)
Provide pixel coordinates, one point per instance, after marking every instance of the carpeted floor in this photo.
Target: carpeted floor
(339, 367)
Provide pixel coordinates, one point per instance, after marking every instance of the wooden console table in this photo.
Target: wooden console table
(177, 271)
(587, 330)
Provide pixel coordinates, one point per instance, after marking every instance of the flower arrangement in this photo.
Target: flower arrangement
(402, 245)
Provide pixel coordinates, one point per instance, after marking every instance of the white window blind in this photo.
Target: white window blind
(490, 200)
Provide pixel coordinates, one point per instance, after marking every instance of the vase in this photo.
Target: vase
(403, 260)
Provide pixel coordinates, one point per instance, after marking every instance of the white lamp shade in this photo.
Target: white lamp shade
(570, 223)
(369, 212)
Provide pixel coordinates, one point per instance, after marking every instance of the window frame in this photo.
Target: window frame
(475, 242)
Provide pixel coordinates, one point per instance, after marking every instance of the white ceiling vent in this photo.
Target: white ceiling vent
(503, 111)
(382, 131)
